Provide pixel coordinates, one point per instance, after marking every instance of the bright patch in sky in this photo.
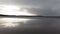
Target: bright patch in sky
(13, 10)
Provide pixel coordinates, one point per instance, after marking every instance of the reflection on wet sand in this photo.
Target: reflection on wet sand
(12, 22)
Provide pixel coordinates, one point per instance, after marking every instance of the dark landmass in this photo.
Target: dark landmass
(29, 16)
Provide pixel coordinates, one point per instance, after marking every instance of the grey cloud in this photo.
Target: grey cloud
(42, 7)
(49, 7)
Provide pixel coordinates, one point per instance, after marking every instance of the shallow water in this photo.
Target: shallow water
(29, 25)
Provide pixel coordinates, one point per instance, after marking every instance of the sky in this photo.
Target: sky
(40, 7)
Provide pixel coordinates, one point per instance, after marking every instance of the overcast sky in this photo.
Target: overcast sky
(41, 7)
